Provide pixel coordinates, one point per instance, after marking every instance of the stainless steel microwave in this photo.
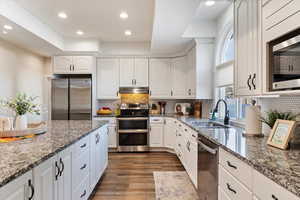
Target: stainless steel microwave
(284, 62)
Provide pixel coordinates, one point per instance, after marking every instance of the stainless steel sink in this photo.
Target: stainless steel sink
(209, 125)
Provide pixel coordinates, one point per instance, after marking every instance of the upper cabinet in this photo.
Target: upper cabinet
(107, 78)
(160, 78)
(191, 74)
(133, 72)
(73, 65)
(247, 25)
(179, 77)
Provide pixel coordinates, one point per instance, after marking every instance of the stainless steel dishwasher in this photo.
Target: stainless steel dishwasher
(207, 169)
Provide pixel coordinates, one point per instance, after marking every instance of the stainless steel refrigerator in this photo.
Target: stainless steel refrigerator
(71, 98)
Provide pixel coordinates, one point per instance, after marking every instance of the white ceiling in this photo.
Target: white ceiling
(203, 12)
(97, 18)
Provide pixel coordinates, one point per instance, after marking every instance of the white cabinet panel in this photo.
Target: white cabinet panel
(83, 64)
(45, 179)
(62, 64)
(126, 72)
(191, 74)
(160, 78)
(107, 78)
(64, 186)
(179, 75)
(169, 134)
(18, 189)
(222, 195)
(141, 66)
(112, 136)
(156, 135)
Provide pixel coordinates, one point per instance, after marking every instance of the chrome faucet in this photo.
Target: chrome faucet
(226, 118)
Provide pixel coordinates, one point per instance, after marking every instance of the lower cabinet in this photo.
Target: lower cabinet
(19, 189)
(156, 135)
(169, 134)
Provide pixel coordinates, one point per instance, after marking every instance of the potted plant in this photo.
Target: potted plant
(273, 115)
(21, 105)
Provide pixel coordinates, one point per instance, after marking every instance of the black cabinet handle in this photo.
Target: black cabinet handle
(193, 135)
(253, 81)
(248, 82)
(73, 67)
(82, 146)
(84, 193)
(274, 197)
(57, 169)
(70, 67)
(230, 189)
(62, 166)
(32, 190)
(231, 165)
(83, 167)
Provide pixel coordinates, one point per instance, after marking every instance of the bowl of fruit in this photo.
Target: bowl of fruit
(104, 111)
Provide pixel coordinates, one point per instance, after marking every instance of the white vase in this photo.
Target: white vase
(21, 122)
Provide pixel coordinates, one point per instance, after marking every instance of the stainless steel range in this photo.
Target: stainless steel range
(133, 125)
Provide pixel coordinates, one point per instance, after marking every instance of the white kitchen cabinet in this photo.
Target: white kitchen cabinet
(64, 185)
(191, 74)
(133, 72)
(112, 136)
(73, 65)
(248, 70)
(107, 78)
(126, 72)
(160, 78)
(179, 76)
(222, 195)
(156, 135)
(169, 133)
(18, 189)
(45, 178)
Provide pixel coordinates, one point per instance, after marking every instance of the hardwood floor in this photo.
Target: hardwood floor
(130, 175)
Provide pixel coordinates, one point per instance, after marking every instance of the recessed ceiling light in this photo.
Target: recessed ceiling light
(4, 32)
(128, 32)
(123, 15)
(79, 32)
(62, 15)
(210, 3)
(8, 27)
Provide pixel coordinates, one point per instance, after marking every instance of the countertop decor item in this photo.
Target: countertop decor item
(104, 111)
(21, 105)
(253, 123)
(281, 133)
(33, 129)
(162, 105)
(273, 115)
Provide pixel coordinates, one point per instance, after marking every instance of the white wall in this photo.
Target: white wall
(21, 71)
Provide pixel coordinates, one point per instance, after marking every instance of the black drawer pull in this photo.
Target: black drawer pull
(230, 189)
(274, 197)
(193, 136)
(62, 167)
(82, 146)
(248, 82)
(84, 193)
(185, 130)
(231, 165)
(83, 167)
(57, 169)
(32, 190)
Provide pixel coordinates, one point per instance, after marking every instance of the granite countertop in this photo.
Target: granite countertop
(18, 157)
(283, 167)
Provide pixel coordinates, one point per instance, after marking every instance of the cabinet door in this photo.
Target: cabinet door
(64, 180)
(179, 67)
(141, 72)
(104, 149)
(83, 64)
(191, 74)
(242, 43)
(18, 189)
(107, 78)
(156, 135)
(62, 64)
(112, 136)
(160, 78)
(45, 178)
(169, 134)
(126, 72)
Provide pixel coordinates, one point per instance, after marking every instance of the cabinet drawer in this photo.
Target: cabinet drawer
(236, 167)
(80, 169)
(82, 192)
(266, 189)
(81, 146)
(156, 120)
(279, 10)
(222, 195)
(190, 134)
(232, 187)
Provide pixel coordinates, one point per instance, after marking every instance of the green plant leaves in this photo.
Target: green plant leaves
(273, 115)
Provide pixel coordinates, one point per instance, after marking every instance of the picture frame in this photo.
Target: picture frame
(281, 133)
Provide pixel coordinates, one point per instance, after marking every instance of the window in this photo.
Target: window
(228, 48)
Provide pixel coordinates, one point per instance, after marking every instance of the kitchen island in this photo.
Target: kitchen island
(20, 157)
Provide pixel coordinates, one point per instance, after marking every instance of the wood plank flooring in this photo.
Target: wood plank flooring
(129, 176)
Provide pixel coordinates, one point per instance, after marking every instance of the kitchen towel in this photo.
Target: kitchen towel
(253, 122)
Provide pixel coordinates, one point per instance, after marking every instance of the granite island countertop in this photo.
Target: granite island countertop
(18, 157)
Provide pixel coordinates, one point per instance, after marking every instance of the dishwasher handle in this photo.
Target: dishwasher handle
(207, 148)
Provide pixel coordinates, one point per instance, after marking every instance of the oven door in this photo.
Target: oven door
(133, 124)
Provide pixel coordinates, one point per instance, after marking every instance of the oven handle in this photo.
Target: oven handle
(207, 148)
(133, 118)
(133, 131)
